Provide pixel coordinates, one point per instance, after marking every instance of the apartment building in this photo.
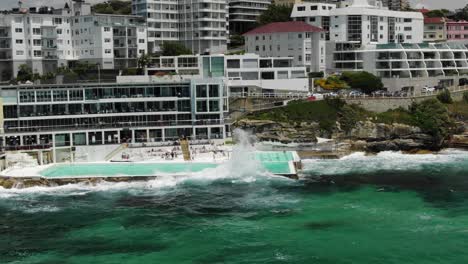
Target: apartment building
(199, 25)
(243, 14)
(54, 38)
(435, 29)
(363, 21)
(296, 39)
(112, 41)
(404, 64)
(248, 72)
(457, 31)
(63, 116)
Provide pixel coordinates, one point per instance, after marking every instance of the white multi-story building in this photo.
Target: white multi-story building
(296, 39)
(248, 72)
(403, 65)
(363, 21)
(54, 38)
(112, 41)
(243, 14)
(200, 25)
(57, 118)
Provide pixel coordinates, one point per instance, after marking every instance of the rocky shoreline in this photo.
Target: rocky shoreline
(365, 136)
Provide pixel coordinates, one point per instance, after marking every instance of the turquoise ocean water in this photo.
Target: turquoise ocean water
(389, 208)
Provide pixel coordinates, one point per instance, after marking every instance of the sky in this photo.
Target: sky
(430, 4)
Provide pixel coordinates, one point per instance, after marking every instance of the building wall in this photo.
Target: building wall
(435, 32)
(306, 48)
(409, 26)
(457, 31)
(200, 26)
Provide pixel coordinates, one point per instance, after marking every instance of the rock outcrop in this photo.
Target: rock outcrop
(266, 130)
(364, 136)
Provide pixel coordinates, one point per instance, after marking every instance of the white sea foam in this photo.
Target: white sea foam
(359, 162)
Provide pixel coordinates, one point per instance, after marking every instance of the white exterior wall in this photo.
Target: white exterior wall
(200, 25)
(306, 48)
(339, 21)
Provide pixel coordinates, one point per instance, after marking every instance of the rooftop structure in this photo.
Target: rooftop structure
(435, 29)
(457, 31)
(248, 72)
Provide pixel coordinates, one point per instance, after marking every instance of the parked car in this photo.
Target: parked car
(355, 93)
(330, 94)
(428, 89)
(378, 93)
(400, 94)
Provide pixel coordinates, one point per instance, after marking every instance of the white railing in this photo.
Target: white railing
(268, 95)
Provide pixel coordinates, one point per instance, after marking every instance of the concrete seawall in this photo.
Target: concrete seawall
(382, 104)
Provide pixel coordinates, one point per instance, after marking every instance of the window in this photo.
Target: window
(107, 40)
(106, 29)
(409, 37)
(311, 19)
(18, 30)
(300, 58)
(19, 52)
(37, 53)
(58, 21)
(299, 36)
(313, 8)
(408, 28)
(407, 20)
(257, 48)
(36, 31)
(91, 52)
(301, 8)
(108, 51)
(19, 41)
(59, 31)
(36, 42)
(141, 41)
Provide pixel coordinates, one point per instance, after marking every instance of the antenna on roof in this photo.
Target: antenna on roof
(20, 4)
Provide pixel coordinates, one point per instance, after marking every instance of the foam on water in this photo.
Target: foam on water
(361, 163)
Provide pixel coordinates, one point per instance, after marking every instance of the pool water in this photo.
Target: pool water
(274, 162)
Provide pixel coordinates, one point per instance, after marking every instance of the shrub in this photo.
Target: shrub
(445, 97)
(465, 97)
(432, 117)
(364, 81)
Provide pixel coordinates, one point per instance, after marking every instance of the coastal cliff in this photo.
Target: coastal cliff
(426, 126)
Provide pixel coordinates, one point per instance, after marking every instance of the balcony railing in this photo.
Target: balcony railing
(116, 125)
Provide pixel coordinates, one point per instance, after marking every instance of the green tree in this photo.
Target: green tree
(465, 97)
(24, 73)
(462, 14)
(432, 117)
(236, 41)
(116, 7)
(364, 81)
(438, 13)
(171, 48)
(445, 97)
(275, 13)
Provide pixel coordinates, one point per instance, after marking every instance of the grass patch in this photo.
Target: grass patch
(459, 110)
(399, 115)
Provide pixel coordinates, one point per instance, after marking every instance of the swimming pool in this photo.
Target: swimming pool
(274, 162)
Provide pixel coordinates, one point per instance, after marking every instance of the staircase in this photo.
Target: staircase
(184, 145)
(116, 151)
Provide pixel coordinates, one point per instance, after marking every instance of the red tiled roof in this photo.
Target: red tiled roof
(434, 20)
(424, 11)
(282, 27)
